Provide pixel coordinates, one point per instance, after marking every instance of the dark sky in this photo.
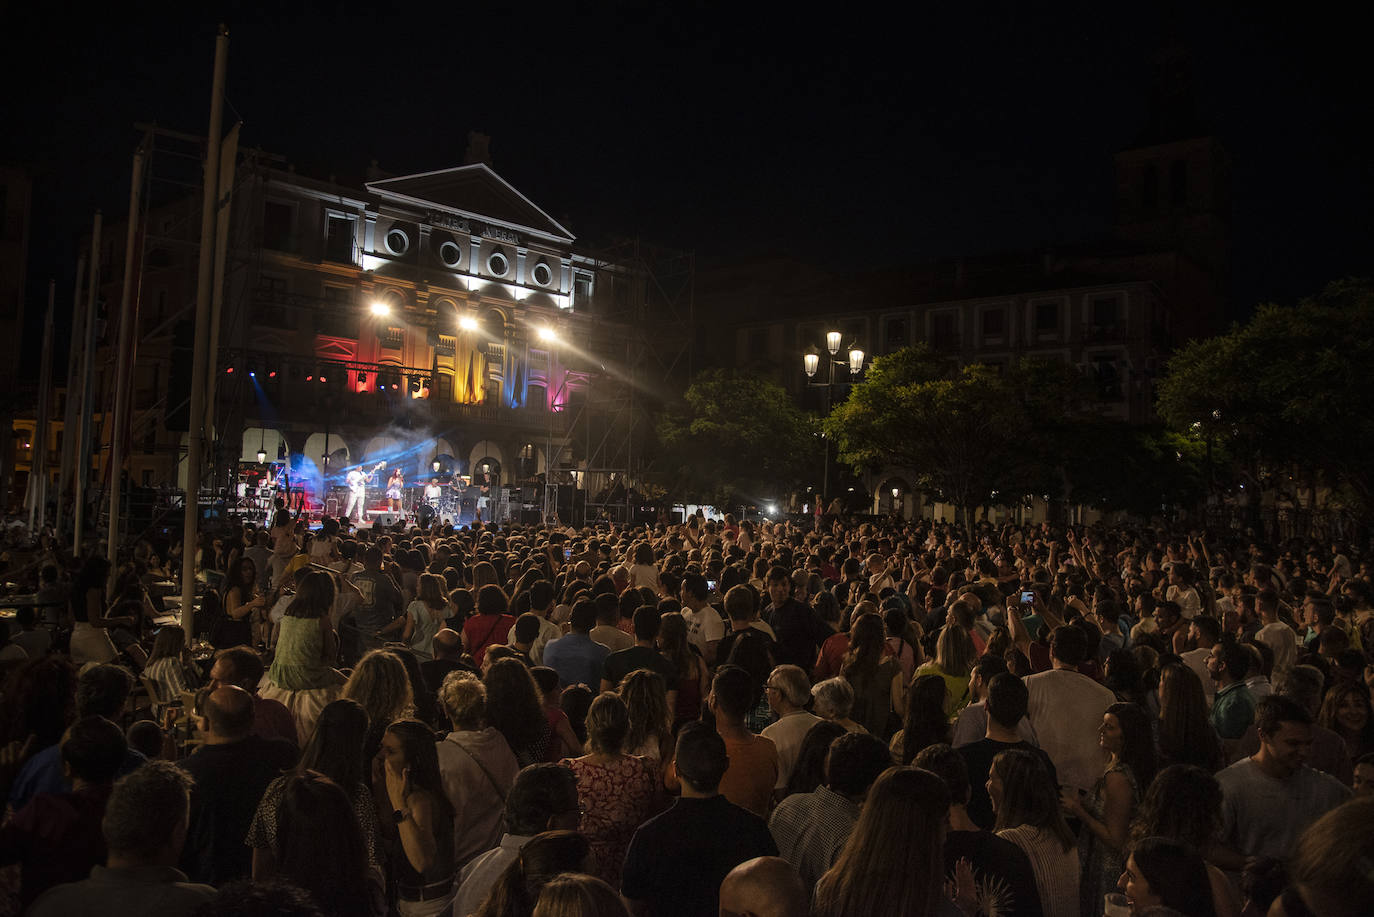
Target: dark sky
(847, 134)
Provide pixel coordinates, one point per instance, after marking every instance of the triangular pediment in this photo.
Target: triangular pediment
(472, 191)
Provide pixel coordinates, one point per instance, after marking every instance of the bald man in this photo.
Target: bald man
(232, 768)
(447, 648)
(763, 887)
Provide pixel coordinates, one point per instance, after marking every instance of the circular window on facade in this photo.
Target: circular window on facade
(498, 264)
(397, 242)
(542, 275)
(450, 254)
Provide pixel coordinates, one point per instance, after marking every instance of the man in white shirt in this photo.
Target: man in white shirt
(705, 629)
(1203, 634)
(788, 690)
(1066, 708)
(1276, 635)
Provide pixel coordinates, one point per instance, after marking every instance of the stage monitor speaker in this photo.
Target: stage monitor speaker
(386, 518)
(530, 517)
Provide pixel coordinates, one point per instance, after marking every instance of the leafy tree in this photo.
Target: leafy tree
(964, 433)
(1293, 387)
(736, 438)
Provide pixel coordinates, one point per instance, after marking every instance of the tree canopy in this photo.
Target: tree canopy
(1292, 387)
(736, 438)
(972, 436)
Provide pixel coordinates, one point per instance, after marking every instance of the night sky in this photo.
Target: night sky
(843, 134)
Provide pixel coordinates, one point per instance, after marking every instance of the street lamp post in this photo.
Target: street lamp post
(811, 363)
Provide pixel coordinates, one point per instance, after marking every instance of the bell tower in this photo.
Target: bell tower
(1173, 184)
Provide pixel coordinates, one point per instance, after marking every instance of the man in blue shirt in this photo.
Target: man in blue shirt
(576, 657)
(1234, 708)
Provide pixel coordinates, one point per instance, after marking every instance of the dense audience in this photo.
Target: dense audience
(860, 717)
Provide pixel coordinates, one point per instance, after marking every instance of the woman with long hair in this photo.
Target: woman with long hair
(515, 710)
(245, 609)
(875, 678)
(925, 722)
(1165, 873)
(424, 819)
(425, 616)
(1106, 813)
(302, 676)
(618, 791)
(1029, 815)
(381, 685)
(1186, 735)
(169, 666)
(90, 626)
(809, 771)
(1183, 804)
(651, 722)
(954, 658)
(893, 863)
(693, 680)
(543, 858)
(335, 750)
(1346, 711)
(320, 849)
(394, 484)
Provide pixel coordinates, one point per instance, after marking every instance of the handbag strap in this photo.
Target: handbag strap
(478, 761)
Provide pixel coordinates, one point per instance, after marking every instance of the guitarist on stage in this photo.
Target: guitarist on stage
(357, 481)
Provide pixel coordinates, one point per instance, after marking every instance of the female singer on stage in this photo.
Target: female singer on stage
(393, 490)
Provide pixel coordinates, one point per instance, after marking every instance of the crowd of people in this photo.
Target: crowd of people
(857, 717)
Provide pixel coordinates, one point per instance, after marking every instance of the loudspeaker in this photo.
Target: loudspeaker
(386, 517)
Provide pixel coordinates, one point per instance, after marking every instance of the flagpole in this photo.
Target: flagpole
(39, 466)
(82, 466)
(124, 362)
(205, 277)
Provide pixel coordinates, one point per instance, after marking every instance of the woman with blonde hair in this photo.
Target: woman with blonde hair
(893, 863)
(954, 659)
(381, 686)
(651, 722)
(576, 895)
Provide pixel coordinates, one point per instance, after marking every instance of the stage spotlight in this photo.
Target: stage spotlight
(380, 308)
(271, 374)
(467, 323)
(548, 334)
(310, 377)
